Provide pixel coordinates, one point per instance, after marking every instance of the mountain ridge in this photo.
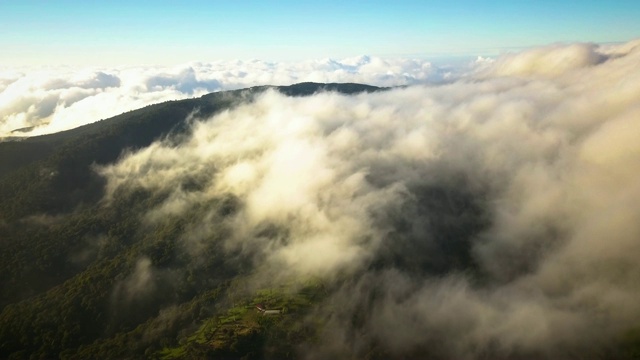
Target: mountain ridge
(206, 104)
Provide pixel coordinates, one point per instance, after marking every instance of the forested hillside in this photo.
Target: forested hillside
(72, 264)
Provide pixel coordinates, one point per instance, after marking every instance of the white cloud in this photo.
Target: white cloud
(56, 99)
(551, 60)
(528, 170)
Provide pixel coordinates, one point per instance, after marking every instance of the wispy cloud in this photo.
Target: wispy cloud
(492, 217)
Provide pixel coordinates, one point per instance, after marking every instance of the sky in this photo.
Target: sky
(117, 32)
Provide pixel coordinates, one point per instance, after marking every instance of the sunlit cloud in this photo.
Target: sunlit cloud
(495, 216)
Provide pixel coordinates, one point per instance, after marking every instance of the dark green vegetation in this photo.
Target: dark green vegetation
(70, 263)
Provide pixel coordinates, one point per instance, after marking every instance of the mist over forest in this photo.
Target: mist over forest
(485, 212)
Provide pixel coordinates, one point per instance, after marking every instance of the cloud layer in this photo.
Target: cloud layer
(493, 217)
(38, 102)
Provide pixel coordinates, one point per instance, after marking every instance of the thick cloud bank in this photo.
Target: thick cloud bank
(496, 217)
(46, 101)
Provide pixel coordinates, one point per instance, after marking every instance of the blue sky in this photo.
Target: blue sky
(171, 32)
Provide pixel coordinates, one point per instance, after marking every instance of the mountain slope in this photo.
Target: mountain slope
(69, 262)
